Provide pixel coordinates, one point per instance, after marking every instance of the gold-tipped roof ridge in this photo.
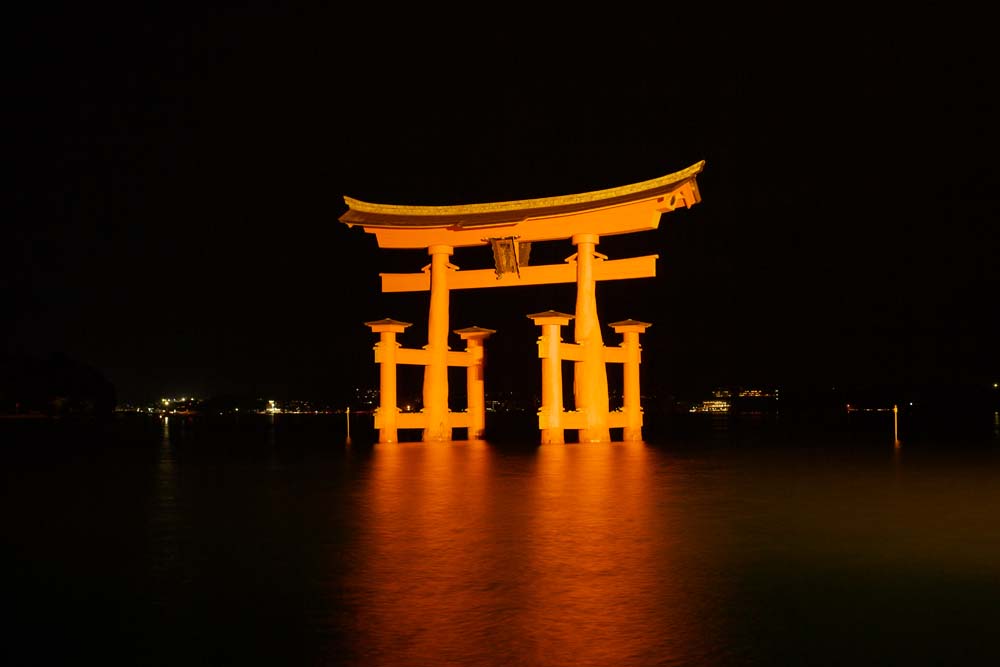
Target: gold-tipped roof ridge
(472, 215)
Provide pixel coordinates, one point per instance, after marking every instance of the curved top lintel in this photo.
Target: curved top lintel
(525, 205)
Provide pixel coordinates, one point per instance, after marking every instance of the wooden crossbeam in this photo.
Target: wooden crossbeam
(574, 352)
(414, 357)
(418, 420)
(545, 274)
(573, 420)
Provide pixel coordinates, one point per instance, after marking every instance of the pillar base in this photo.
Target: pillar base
(436, 435)
(595, 435)
(553, 436)
(631, 434)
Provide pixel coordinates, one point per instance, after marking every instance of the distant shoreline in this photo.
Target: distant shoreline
(30, 416)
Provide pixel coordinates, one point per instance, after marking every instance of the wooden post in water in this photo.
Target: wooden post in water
(895, 425)
(590, 373)
(474, 338)
(631, 395)
(385, 355)
(437, 426)
(550, 415)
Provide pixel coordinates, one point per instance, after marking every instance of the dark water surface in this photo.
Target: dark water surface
(268, 541)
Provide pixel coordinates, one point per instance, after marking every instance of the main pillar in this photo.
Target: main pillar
(590, 375)
(436, 371)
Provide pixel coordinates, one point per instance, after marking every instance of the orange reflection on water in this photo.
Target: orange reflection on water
(603, 553)
(422, 580)
(557, 555)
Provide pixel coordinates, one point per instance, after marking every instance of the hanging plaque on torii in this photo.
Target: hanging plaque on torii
(510, 228)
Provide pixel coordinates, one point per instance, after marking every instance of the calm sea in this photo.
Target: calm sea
(269, 541)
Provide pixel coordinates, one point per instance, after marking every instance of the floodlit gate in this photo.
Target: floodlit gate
(510, 228)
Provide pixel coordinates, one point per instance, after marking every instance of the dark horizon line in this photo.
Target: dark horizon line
(688, 391)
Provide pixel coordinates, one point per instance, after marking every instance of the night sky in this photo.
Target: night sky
(178, 176)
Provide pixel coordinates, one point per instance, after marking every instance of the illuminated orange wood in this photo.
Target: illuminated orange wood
(385, 353)
(583, 218)
(625, 219)
(621, 210)
(549, 351)
(406, 356)
(418, 420)
(590, 376)
(545, 274)
(436, 371)
(631, 395)
(475, 386)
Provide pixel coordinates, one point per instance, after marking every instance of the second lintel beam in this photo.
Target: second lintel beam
(546, 274)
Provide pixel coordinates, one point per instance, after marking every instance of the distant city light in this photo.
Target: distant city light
(192, 406)
(711, 406)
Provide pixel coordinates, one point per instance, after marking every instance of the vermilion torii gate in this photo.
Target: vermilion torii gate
(510, 227)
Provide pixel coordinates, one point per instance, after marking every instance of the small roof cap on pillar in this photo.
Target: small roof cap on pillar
(387, 324)
(629, 325)
(474, 332)
(551, 317)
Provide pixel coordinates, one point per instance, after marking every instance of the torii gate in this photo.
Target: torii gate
(510, 227)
